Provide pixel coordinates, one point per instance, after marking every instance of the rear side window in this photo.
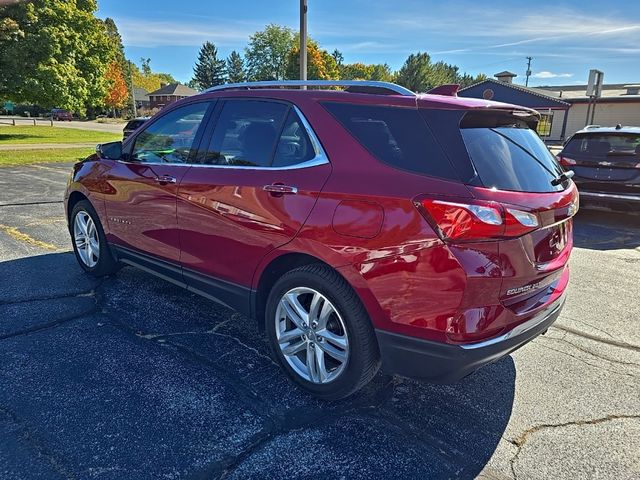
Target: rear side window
(294, 145)
(603, 144)
(246, 133)
(396, 136)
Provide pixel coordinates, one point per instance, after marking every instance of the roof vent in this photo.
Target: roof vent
(449, 89)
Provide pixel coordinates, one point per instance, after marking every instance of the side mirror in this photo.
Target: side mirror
(110, 151)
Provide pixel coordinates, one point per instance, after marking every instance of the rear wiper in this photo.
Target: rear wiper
(563, 177)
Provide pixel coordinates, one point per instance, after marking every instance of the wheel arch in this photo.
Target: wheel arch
(286, 261)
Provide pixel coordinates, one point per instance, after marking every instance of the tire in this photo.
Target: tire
(97, 263)
(342, 330)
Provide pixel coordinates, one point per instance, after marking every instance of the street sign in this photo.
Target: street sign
(594, 87)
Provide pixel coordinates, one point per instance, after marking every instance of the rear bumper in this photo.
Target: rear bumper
(606, 198)
(445, 363)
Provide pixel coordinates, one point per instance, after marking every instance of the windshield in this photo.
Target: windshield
(604, 144)
(512, 158)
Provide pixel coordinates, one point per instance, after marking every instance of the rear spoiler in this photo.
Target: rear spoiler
(449, 90)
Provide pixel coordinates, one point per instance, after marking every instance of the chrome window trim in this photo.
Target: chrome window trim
(315, 83)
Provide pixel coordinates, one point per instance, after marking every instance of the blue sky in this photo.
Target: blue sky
(565, 38)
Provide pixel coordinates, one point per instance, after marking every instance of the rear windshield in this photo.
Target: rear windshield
(496, 149)
(603, 144)
(396, 136)
(512, 158)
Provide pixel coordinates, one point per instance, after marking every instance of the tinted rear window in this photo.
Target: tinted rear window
(512, 158)
(603, 144)
(396, 136)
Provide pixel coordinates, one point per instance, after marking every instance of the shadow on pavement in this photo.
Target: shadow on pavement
(606, 230)
(132, 377)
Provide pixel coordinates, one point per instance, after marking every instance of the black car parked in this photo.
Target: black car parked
(133, 125)
(606, 163)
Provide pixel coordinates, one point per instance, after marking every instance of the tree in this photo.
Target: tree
(235, 68)
(360, 71)
(209, 70)
(356, 71)
(320, 64)
(266, 55)
(338, 57)
(381, 72)
(145, 64)
(420, 75)
(118, 93)
(150, 81)
(54, 53)
(415, 72)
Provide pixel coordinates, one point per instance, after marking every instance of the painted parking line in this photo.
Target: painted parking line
(24, 238)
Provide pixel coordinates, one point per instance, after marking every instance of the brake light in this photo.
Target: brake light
(476, 220)
(566, 161)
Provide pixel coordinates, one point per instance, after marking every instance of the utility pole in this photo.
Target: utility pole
(303, 40)
(526, 83)
(133, 94)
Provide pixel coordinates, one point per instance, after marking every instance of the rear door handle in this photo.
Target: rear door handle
(278, 189)
(164, 179)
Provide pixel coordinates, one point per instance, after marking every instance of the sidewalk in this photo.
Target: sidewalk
(45, 146)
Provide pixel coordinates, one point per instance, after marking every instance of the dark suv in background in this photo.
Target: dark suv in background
(360, 227)
(606, 163)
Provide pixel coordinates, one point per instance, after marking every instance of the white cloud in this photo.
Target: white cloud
(150, 33)
(547, 74)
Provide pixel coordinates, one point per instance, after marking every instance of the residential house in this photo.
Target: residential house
(168, 94)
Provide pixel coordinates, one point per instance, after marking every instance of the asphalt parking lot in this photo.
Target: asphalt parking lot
(133, 378)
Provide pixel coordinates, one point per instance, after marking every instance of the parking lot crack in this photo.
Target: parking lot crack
(59, 321)
(521, 440)
(29, 437)
(595, 338)
(592, 353)
(582, 360)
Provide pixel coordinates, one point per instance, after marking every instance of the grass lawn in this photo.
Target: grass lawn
(24, 134)
(26, 157)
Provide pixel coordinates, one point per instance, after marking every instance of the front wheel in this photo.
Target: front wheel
(320, 332)
(89, 241)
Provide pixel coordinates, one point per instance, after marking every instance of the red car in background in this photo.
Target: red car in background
(368, 226)
(61, 115)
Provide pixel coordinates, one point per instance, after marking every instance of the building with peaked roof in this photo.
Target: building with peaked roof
(563, 108)
(167, 94)
(552, 109)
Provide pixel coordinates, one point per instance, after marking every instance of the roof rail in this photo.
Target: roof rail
(356, 86)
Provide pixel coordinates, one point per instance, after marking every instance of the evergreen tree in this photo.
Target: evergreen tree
(209, 70)
(235, 68)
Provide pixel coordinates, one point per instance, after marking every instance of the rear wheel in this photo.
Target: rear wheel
(89, 241)
(320, 332)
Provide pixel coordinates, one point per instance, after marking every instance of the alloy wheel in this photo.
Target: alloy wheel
(311, 335)
(85, 236)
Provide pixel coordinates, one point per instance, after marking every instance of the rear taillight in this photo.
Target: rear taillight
(566, 162)
(475, 220)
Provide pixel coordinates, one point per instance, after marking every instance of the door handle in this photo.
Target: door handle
(278, 189)
(164, 179)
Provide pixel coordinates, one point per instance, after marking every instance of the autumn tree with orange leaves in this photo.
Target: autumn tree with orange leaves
(118, 92)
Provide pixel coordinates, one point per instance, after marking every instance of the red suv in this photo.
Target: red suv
(360, 227)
